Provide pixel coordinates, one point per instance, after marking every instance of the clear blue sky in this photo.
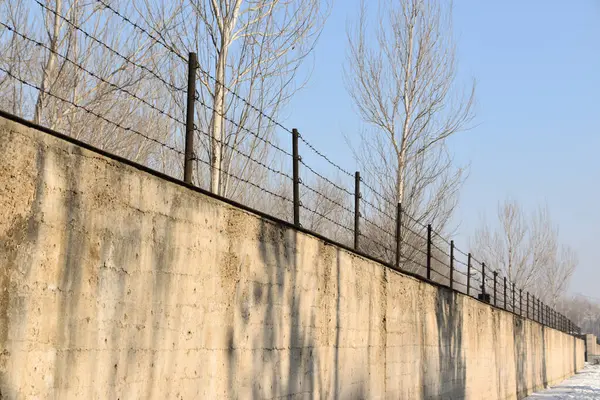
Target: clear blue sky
(537, 64)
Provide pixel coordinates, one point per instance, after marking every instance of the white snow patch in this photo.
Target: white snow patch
(585, 385)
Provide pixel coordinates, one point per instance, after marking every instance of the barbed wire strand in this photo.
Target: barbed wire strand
(281, 173)
(226, 118)
(243, 180)
(84, 108)
(393, 235)
(115, 52)
(318, 213)
(325, 178)
(126, 91)
(326, 198)
(203, 71)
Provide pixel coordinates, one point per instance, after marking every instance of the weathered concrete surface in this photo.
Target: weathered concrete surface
(115, 283)
(592, 348)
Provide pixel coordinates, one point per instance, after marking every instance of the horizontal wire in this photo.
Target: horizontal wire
(243, 180)
(310, 146)
(326, 217)
(376, 242)
(326, 198)
(126, 91)
(86, 34)
(461, 252)
(325, 178)
(415, 248)
(172, 50)
(84, 108)
(439, 249)
(440, 274)
(378, 209)
(440, 261)
(226, 118)
(248, 156)
(441, 237)
(413, 232)
(393, 235)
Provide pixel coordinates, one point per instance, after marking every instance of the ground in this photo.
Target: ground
(585, 385)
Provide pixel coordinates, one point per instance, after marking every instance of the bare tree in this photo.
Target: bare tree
(69, 50)
(246, 49)
(525, 248)
(401, 76)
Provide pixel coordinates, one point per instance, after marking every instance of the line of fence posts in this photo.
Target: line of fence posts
(545, 315)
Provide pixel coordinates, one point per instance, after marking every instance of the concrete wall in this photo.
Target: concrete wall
(117, 284)
(592, 348)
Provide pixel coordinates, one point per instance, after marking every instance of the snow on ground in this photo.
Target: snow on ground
(585, 385)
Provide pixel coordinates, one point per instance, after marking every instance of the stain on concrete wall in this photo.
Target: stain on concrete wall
(115, 283)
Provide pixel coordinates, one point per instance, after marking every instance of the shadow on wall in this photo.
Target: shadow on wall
(452, 370)
(278, 300)
(520, 356)
(300, 310)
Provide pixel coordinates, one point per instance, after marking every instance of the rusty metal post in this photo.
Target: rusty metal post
(429, 251)
(189, 119)
(356, 209)
(451, 264)
(495, 283)
(296, 176)
(468, 273)
(398, 235)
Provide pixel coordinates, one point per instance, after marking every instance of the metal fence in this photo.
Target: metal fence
(358, 217)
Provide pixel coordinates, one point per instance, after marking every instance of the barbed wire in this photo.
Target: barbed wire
(325, 178)
(281, 173)
(461, 252)
(226, 118)
(84, 108)
(320, 154)
(195, 158)
(203, 71)
(415, 248)
(393, 235)
(325, 197)
(115, 52)
(377, 208)
(318, 213)
(376, 243)
(163, 43)
(101, 79)
(435, 246)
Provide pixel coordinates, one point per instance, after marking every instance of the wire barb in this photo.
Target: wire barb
(84, 108)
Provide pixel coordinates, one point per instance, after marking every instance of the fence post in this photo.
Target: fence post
(451, 264)
(189, 118)
(429, 251)
(483, 279)
(468, 273)
(495, 282)
(356, 208)
(505, 305)
(296, 176)
(521, 302)
(527, 307)
(514, 309)
(398, 235)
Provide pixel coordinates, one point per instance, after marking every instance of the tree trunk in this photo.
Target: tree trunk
(39, 105)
